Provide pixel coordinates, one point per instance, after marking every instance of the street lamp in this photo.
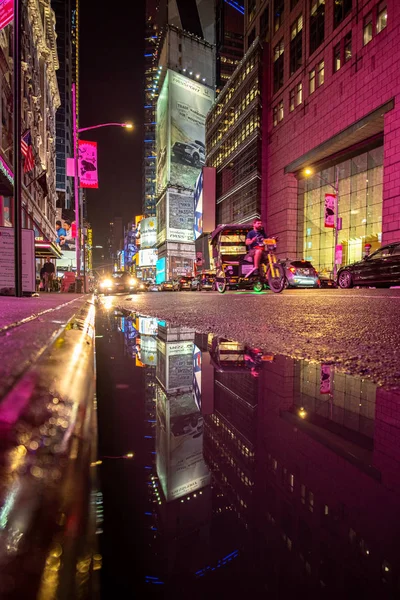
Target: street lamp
(76, 133)
(308, 173)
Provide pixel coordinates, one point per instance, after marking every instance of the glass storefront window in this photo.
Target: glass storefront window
(360, 207)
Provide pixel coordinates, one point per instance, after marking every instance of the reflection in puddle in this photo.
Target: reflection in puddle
(266, 474)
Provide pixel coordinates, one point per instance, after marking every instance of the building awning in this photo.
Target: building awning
(366, 128)
(47, 250)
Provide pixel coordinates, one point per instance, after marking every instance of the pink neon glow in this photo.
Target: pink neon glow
(6, 12)
(88, 174)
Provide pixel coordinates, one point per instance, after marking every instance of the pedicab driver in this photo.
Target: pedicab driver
(255, 243)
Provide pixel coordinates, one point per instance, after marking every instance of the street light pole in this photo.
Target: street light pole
(76, 184)
(17, 151)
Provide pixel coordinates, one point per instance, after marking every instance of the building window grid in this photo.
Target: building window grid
(296, 96)
(279, 63)
(367, 29)
(278, 113)
(342, 8)
(381, 18)
(337, 63)
(312, 81)
(245, 130)
(347, 47)
(279, 7)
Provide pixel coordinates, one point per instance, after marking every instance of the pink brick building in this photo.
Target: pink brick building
(330, 105)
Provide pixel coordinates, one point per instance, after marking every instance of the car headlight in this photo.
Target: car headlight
(106, 283)
(133, 281)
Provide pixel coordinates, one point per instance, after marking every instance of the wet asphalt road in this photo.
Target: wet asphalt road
(356, 329)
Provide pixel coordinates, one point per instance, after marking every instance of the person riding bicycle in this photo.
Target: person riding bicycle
(255, 243)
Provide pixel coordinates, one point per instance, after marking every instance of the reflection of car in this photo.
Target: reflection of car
(120, 281)
(300, 273)
(203, 282)
(193, 152)
(380, 269)
(170, 286)
(185, 283)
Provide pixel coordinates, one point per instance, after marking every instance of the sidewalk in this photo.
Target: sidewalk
(28, 326)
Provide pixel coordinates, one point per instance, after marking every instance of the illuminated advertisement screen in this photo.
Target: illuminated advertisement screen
(179, 444)
(162, 134)
(180, 215)
(189, 103)
(160, 270)
(148, 233)
(148, 257)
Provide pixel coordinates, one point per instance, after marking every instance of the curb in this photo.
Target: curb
(48, 436)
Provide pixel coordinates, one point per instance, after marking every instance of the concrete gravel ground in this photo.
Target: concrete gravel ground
(358, 329)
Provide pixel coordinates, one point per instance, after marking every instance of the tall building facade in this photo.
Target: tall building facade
(40, 101)
(233, 141)
(229, 39)
(331, 112)
(64, 140)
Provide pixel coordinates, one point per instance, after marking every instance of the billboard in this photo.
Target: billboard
(148, 326)
(88, 175)
(175, 360)
(182, 108)
(162, 219)
(205, 202)
(160, 270)
(148, 257)
(180, 216)
(179, 445)
(148, 233)
(148, 350)
(162, 137)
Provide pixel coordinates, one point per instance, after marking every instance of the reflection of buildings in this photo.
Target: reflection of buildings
(328, 481)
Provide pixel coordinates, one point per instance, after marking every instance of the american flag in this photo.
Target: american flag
(27, 151)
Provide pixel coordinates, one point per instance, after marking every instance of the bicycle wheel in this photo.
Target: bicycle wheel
(221, 285)
(258, 286)
(277, 280)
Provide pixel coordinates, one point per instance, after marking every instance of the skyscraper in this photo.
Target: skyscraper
(64, 139)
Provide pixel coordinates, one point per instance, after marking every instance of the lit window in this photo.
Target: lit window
(347, 47)
(291, 100)
(320, 73)
(317, 24)
(278, 113)
(367, 29)
(278, 65)
(296, 45)
(278, 13)
(336, 58)
(381, 20)
(299, 93)
(341, 9)
(280, 110)
(312, 81)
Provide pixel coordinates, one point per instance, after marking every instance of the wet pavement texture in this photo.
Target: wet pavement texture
(228, 469)
(357, 329)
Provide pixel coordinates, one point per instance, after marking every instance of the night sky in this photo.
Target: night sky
(111, 89)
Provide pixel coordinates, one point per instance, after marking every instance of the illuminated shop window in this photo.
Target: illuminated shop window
(367, 29)
(381, 19)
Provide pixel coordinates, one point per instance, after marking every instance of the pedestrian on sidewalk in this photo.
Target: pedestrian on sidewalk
(49, 272)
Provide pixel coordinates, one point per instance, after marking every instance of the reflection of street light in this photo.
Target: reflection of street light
(76, 133)
(309, 172)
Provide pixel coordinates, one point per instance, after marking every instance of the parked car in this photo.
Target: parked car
(300, 273)
(185, 283)
(193, 152)
(379, 269)
(171, 285)
(117, 282)
(203, 282)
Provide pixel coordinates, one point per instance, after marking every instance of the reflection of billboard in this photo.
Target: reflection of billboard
(180, 217)
(189, 103)
(175, 365)
(148, 257)
(148, 326)
(182, 108)
(162, 134)
(179, 444)
(160, 270)
(197, 376)
(148, 233)
(148, 350)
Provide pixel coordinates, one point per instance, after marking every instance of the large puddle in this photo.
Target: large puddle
(251, 473)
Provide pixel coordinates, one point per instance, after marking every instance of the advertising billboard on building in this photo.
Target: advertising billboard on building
(148, 257)
(182, 108)
(205, 202)
(180, 216)
(162, 137)
(162, 219)
(148, 232)
(88, 174)
(160, 270)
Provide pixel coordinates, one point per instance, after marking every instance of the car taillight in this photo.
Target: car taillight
(292, 270)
